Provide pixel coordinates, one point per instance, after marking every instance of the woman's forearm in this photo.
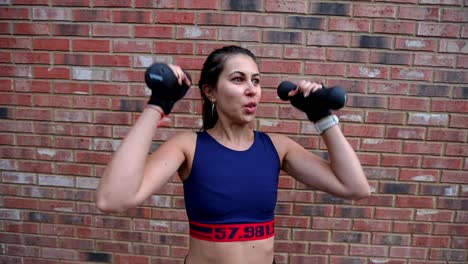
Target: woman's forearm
(345, 163)
(123, 175)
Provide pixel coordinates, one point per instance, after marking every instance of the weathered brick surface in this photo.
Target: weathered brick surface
(71, 86)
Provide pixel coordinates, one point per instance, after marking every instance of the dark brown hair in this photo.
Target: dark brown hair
(212, 68)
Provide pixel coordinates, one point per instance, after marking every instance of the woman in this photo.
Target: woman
(230, 172)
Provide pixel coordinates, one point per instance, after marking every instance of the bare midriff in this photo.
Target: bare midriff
(243, 252)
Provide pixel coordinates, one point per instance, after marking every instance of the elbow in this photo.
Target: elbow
(106, 206)
(359, 196)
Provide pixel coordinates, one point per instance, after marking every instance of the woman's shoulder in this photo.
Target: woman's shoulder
(281, 142)
(183, 139)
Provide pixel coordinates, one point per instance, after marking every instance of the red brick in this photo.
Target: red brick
(381, 145)
(31, 28)
(51, 73)
(247, 35)
(327, 39)
(270, 66)
(442, 163)
(52, 44)
(335, 223)
(362, 250)
(71, 30)
(174, 17)
(137, 46)
(92, 157)
(91, 45)
(290, 221)
(202, 4)
(449, 229)
(156, 4)
(112, 60)
(372, 225)
(380, 11)
(368, 72)
(19, 203)
(122, 259)
(168, 47)
(15, 13)
(75, 3)
(334, 249)
(423, 148)
(411, 227)
(133, 16)
(411, 74)
(419, 13)
(414, 202)
(457, 106)
(434, 60)
(393, 213)
(261, 20)
(113, 31)
(415, 44)
(58, 14)
(401, 161)
(154, 31)
(286, 7)
(115, 3)
(33, 114)
(454, 177)
(459, 121)
(91, 15)
(386, 118)
(454, 15)
(440, 30)
(453, 46)
(16, 43)
(432, 215)
(325, 69)
(221, 19)
(428, 119)
(450, 135)
(16, 99)
(408, 252)
(5, 28)
(125, 75)
(347, 24)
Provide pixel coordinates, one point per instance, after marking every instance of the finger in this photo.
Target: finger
(177, 72)
(186, 79)
(293, 92)
(180, 75)
(166, 121)
(316, 86)
(304, 87)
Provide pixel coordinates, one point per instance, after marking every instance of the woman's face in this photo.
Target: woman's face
(238, 89)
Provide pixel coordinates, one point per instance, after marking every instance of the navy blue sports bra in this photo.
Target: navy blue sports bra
(226, 186)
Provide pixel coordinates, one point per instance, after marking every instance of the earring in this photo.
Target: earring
(213, 107)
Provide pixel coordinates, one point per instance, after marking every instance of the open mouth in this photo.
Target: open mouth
(250, 107)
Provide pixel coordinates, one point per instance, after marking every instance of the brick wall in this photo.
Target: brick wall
(71, 85)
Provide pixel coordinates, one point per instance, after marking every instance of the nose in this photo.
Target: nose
(251, 89)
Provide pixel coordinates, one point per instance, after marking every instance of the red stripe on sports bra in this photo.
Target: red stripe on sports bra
(232, 232)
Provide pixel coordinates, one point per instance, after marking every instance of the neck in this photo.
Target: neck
(231, 134)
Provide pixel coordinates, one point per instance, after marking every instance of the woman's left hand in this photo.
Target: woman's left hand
(306, 88)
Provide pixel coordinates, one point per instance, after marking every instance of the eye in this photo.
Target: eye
(256, 81)
(237, 79)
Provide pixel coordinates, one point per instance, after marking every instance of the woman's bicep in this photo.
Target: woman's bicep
(311, 170)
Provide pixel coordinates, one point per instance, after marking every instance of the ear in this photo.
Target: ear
(210, 92)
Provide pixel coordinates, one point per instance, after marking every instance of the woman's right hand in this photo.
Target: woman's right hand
(168, 84)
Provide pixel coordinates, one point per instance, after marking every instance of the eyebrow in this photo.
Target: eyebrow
(239, 72)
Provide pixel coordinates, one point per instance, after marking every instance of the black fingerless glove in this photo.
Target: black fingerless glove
(314, 108)
(165, 89)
